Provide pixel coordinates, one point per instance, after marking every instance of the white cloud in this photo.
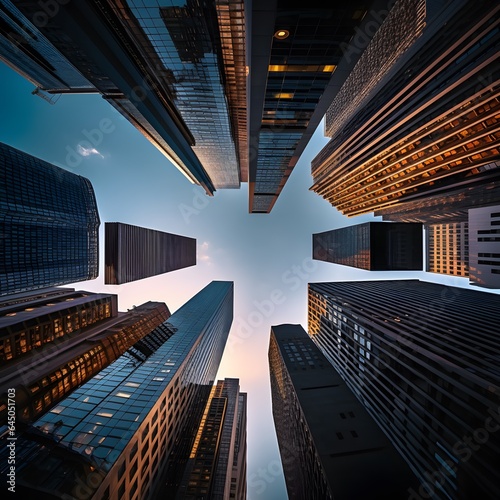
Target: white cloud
(88, 151)
(203, 255)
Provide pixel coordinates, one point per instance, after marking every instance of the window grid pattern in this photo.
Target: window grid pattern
(50, 224)
(423, 360)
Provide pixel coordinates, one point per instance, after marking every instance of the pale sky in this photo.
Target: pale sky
(267, 256)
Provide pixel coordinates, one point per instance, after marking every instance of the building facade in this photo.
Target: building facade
(176, 72)
(330, 446)
(422, 358)
(115, 436)
(299, 56)
(132, 253)
(49, 223)
(52, 342)
(484, 245)
(220, 443)
(374, 246)
(424, 120)
(447, 248)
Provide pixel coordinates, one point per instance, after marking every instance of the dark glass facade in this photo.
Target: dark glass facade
(133, 253)
(330, 447)
(423, 360)
(49, 222)
(298, 60)
(175, 71)
(428, 122)
(220, 442)
(374, 246)
(114, 436)
(52, 344)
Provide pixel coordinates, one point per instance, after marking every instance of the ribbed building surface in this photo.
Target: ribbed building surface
(423, 359)
(374, 246)
(49, 224)
(330, 447)
(133, 253)
(428, 122)
(116, 435)
(53, 342)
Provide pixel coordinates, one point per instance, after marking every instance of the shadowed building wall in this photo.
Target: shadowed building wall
(374, 246)
(330, 446)
(133, 253)
(423, 359)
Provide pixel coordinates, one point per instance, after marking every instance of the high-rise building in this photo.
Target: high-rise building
(176, 72)
(49, 224)
(330, 446)
(424, 118)
(374, 246)
(300, 55)
(53, 341)
(452, 205)
(484, 246)
(219, 444)
(423, 360)
(447, 248)
(132, 253)
(116, 435)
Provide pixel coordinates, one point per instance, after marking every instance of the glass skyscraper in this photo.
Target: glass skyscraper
(176, 71)
(118, 435)
(54, 340)
(374, 246)
(49, 224)
(423, 360)
(133, 253)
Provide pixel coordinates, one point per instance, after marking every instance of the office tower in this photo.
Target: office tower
(133, 253)
(177, 73)
(425, 116)
(49, 224)
(423, 360)
(300, 54)
(374, 246)
(115, 436)
(451, 206)
(330, 446)
(484, 246)
(220, 442)
(53, 341)
(447, 248)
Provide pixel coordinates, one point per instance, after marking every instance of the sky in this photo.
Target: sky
(267, 256)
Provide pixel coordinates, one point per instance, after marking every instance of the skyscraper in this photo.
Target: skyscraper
(133, 253)
(425, 116)
(447, 248)
(49, 224)
(177, 73)
(120, 431)
(423, 360)
(484, 246)
(53, 341)
(374, 246)
(330, 446)
(300, 55)
(219, 444)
